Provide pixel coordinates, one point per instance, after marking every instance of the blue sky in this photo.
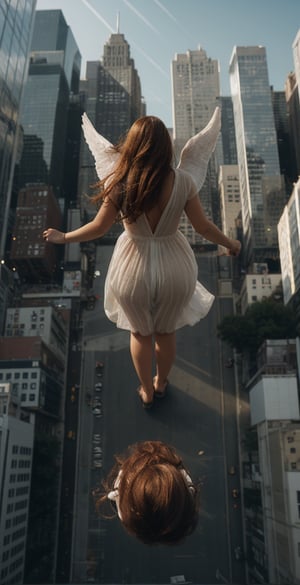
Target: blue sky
(158, 29)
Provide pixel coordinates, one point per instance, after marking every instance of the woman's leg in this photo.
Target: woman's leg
(141, 353)
(165, 352)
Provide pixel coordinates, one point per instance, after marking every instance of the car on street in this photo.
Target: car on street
(97, 411)
(71, 435)
(238, 553)
(97, 437)
(232, 470)
(99, 365)
(98, 386)
(235, 493)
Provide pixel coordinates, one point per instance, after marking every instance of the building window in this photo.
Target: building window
(31, 397)
(293, 450)
(23, 397)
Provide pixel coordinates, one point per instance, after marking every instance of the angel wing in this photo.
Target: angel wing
(100, 147)
(197, 151)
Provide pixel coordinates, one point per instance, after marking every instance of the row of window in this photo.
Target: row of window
(21, 463)
(23, 450)
(19, 478)
(20, 491)
(20, 519)
(17, 375)
(14, 536)
(13, 551)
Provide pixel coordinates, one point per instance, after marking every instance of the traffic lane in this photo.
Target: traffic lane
(188, 425)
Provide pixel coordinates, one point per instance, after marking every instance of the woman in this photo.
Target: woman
(154, 495)
(151, 287)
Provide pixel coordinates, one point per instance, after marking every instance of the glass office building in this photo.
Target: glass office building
(16, 20)
(54, 73)
(262, 192)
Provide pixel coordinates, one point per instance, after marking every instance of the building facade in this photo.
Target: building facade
(296, 54)
(113, 101)
(271, 479)
(262, 190)
(37, 208)
(54, 72)
(195, 93)
(15, 36)
(289, 245)
(16, 453)
(229, 190)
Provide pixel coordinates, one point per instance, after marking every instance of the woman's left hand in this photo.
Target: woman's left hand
(54, 236)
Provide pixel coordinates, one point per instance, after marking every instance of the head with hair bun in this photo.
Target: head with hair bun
(156, 499)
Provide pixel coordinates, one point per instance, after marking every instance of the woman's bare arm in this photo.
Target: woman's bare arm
(207, 228)
(90, 231)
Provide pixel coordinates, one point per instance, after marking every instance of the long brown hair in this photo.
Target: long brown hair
(145, 159)
(156, 503)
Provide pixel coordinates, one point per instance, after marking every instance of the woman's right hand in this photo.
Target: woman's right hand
(235, 247)
(54, 236)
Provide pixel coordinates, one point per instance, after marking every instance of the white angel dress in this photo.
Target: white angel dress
(151, 284)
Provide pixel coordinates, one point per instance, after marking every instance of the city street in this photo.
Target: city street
(198, 417)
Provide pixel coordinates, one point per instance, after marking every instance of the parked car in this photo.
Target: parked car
(97, 436)
(99, 365)
(71, 435)
(232, 470)
(235, 493)
(98, 386)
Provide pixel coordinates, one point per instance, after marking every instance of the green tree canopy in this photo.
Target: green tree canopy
(267, 319)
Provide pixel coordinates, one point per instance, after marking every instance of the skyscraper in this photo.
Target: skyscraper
(113, 99)
(262, 192)
(16, 21)
(195, 92)
(53, 74)
(15, 36)
(296, 53)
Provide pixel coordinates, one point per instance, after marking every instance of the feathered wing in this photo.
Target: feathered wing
(197, 151)
(105, 157)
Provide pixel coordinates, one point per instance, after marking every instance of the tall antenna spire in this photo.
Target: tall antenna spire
(118, 22)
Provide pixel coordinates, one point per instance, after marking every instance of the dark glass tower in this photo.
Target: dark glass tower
(262, 189)
(16, 21)
(53, 76)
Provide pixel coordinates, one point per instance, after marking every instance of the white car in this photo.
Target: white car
(98, 386)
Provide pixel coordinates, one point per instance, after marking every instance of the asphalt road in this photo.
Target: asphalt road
(198, 414)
